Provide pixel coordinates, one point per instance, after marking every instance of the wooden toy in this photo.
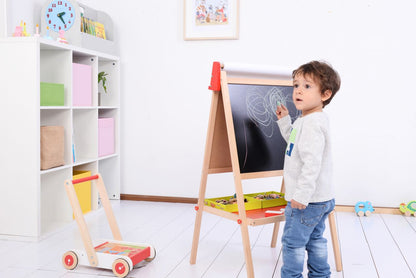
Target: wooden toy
(18, 31)
(409, 208)
(37, 31)
(117, 255)
(233, 122)
(363, 208)
(47, 35)
(61, 37)
(24, 31)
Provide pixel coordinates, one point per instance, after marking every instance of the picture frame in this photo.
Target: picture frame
(211, 20)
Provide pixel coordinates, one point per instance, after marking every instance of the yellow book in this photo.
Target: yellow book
(83, 190)
(91, 27)
(99, 30)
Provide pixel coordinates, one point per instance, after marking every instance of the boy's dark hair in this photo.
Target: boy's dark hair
(323, 74)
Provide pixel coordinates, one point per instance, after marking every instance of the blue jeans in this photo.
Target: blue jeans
(304, 231)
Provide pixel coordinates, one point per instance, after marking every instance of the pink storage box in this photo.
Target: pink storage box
(81, 85)
(105, 136)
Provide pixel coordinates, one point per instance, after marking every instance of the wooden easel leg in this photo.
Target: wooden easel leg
(195, 240)
(247, 250)
(200, 207)
(275, 232)
(335, 241)
(277, 224)
(204, 176)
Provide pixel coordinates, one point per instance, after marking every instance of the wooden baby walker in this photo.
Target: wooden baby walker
(117, 255)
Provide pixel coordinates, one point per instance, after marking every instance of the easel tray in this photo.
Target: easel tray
(254, 217)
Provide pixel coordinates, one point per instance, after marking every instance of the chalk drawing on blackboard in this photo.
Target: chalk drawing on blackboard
(261, 107)
(260, 145)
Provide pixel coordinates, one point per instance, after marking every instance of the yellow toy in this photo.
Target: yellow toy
(409, 208)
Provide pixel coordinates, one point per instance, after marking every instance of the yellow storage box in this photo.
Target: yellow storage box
(223, 203)
(83, 190)
(269, 199)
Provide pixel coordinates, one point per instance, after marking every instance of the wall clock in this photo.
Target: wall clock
(60, 15)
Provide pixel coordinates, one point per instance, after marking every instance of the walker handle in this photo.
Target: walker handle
(85, 179)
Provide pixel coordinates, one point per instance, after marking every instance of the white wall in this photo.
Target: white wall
(23, 10)
(3, 18)
(165, 100)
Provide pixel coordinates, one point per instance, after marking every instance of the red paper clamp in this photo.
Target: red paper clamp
(216, 77)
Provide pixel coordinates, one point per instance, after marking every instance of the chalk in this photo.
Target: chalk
(278, 103)
(274, 212)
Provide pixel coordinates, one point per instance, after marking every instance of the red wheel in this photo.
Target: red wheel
(70, 260)
(121, 268)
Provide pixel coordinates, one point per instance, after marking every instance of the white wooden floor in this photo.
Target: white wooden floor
(377, 246)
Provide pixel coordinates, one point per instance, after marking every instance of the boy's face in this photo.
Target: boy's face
(307, 95)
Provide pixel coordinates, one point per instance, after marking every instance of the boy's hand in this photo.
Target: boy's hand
(296, 205)
(281, 111)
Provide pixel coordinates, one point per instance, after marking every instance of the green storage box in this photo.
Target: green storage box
(51, 94)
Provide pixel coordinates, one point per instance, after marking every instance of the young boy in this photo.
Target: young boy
(308, 170)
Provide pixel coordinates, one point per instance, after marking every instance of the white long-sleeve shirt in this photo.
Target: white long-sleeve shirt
(308, 160)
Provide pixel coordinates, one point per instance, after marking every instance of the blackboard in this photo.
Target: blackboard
(260, 145)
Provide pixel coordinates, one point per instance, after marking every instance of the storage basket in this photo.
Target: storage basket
(52, 148)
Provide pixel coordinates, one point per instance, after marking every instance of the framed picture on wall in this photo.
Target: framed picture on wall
(211, 19)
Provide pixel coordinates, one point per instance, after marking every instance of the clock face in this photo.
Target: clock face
(60, 15)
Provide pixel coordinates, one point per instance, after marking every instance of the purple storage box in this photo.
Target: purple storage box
(81, 85)
(105, 136)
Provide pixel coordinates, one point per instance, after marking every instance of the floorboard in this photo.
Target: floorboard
(379, 246)
(388, 259)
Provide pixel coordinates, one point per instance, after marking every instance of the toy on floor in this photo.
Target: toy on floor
(117, 255)
(409, 208)
(363, 208)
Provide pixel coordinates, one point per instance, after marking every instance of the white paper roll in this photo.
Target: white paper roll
(266, 71)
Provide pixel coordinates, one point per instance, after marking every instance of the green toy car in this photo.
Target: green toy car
(409, 208)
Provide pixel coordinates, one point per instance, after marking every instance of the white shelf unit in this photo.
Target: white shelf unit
(34, 201)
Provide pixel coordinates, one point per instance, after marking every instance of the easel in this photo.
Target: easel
(221, 157)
